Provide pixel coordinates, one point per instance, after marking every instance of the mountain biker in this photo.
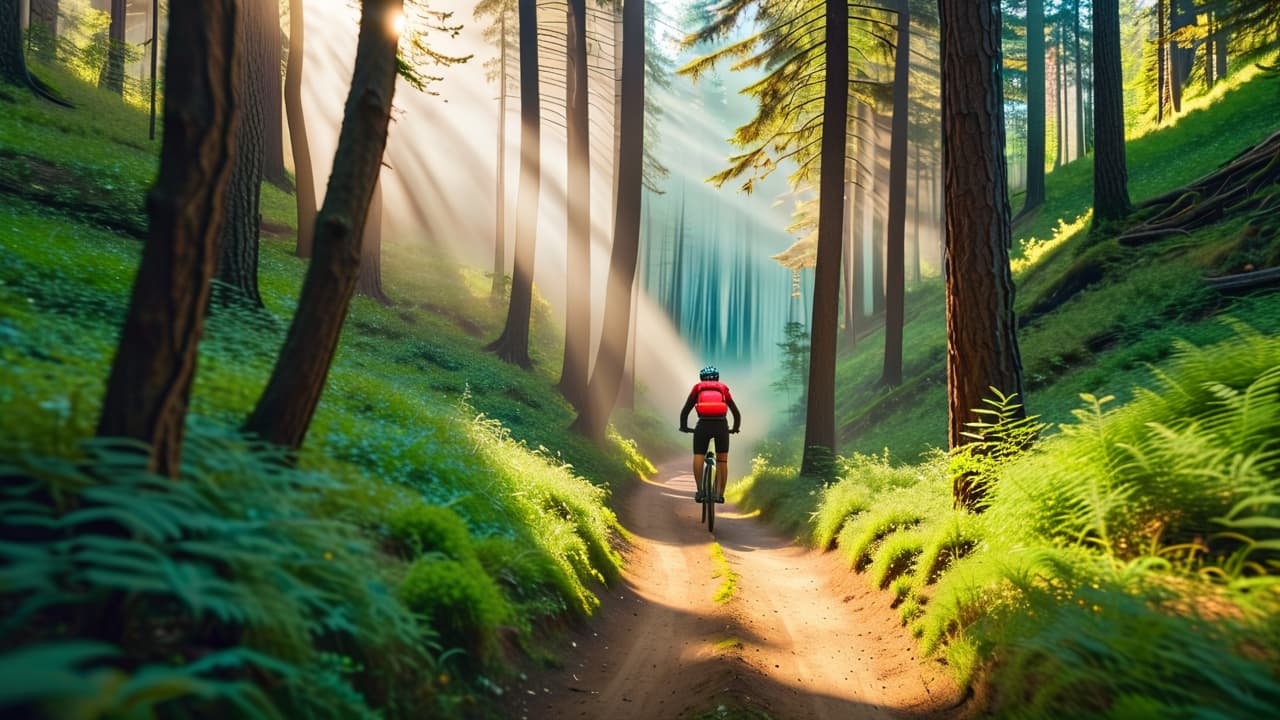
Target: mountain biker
(713, 402)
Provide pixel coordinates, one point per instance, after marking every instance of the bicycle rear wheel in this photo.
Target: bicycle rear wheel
(709, 495)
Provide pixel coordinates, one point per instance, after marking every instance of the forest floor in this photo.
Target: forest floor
(798, 637)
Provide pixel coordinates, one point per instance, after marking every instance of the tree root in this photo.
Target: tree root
(1230, 189)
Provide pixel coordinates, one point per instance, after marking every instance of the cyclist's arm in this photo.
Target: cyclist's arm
(684, 412)
(737, 417)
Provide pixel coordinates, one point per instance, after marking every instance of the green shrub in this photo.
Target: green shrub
(456, 599)
(419, 528)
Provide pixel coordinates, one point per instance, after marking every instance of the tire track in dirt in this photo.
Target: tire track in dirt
(801, 638)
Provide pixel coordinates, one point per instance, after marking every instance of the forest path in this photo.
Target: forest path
(801, 637)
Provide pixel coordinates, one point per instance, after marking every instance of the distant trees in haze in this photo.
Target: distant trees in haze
(606, 376)
(577, 333)
(513, 344)
(304, 187)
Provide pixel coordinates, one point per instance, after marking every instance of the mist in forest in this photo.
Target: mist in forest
(709, 290)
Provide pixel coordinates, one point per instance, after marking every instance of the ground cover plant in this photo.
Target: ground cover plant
(425, 536)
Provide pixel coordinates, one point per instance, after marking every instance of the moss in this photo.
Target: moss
(458, 601)
(420, 528)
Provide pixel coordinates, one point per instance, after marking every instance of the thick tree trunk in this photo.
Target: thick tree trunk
(13, 63)
(1220, 49)
(238, 259)
(286, 407)
(982, 344)
(112, 75)
(577, 321)
(606, 377)
(270, 47)
(1034, 197)
(895, 250)
(151, 375)
(1110, 175)
(369, 282)
(820, 410)
(305, 190)
(513, 344)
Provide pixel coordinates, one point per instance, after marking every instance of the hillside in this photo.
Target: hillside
(1093, 313)
(421, 542)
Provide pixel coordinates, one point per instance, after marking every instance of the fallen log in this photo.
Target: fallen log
(1245, 281)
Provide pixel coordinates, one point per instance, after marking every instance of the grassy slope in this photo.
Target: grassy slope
(1102, 338)
(400, 421)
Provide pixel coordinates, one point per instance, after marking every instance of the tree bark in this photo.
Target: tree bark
(1162, 60)
(305, 187)
(112, 75)
(982, 345)
(1034, 197)
(606, 377)
(369, 281)
(513, 344)
(577, 321)
(286, 407)
(896, 241)
(271, 45)
(1110, 173)
(151, 376)
(238, 260)
(820, 410)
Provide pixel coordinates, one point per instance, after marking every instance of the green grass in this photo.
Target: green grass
(430, 462)
(728, 578)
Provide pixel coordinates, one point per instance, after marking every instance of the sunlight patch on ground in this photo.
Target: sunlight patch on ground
(729, 578)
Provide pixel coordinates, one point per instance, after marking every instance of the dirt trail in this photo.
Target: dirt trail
(800, 638)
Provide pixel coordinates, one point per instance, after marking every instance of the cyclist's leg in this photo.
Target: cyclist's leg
(701, 439)
(722, 459)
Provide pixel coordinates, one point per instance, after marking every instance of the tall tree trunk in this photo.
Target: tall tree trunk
(1036, 130)
(271, 46)
(577, 321)
(1162, 60)
(917, 194)
(13, 63)
(1059, 95)
(1181, 55)
(895, 251)
(289, 401)
(238, 260)
(1079, 88)
(820, 410)
(982, 344)
(151, 376)
(513, 344)
(1110, 176)
(112, 75)
(44, 21)
(862, 214)
(369, 281)
(1221, 35)
(606, 377)
(500, 192)
(879, 200)
(155, 63)
(305, 187)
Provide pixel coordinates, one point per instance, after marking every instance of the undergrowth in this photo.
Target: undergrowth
(1126, 565)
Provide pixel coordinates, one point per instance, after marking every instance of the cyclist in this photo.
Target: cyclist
(713, 402)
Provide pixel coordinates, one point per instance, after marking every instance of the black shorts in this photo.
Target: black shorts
(708, 428)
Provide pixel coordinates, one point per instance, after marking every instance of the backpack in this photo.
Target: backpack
(711, 397)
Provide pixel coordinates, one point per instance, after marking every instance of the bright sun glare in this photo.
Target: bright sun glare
(397, 24)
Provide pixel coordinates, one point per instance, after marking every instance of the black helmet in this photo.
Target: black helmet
(709, 373)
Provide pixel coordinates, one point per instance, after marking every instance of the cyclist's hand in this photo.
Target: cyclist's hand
(733, 431)
(686, 429)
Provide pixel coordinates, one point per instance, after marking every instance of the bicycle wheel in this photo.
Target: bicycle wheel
(709, 495)
(702, 489)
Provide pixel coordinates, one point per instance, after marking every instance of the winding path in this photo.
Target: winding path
(800, 638)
